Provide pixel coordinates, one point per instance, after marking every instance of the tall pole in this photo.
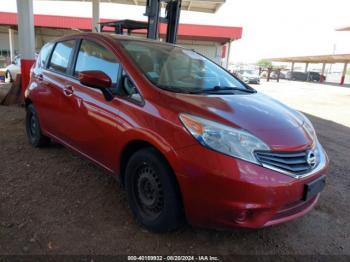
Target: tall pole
(153, 12)
(173, 17)
(26, 38)
(26, 35)
(342, 80)
(95, 15)
(12, 44)
(228, 54)
(323, 72)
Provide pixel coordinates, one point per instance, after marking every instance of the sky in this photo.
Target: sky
(271, 28)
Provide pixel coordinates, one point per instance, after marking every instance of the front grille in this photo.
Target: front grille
(295, 162)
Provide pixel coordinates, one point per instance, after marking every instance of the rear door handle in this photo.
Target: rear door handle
(68, 90)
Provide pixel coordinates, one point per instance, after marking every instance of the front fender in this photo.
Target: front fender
(150, 137)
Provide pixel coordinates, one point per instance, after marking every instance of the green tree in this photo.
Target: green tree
(264, 63)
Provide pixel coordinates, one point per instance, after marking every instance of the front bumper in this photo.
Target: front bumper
(252, 80)
(223, 192)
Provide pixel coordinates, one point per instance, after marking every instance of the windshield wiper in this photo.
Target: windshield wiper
(216, 89)
(177, 89)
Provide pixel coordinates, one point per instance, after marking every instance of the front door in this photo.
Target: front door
(96, 128)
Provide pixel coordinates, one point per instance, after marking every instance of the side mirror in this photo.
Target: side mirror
(13, 62)
(99, 80)
(95, 79)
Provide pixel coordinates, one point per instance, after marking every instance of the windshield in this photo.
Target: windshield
(179, 70)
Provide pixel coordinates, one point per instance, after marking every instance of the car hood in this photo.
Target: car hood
(273, 122)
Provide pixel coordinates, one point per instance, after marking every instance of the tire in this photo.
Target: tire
(152, 192)
(34, 134)
(8, 77)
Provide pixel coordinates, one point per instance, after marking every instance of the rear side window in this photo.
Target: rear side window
(44, 54)
(61, 55)
(93, 56)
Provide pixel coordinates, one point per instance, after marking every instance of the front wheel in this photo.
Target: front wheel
(152, 191)
(34, 134)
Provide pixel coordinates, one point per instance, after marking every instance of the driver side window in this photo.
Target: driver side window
(93, 56)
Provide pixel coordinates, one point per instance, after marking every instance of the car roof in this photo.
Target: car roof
(113, 37)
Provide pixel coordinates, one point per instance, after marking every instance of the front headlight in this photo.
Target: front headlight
(224, 139)
(309, 128)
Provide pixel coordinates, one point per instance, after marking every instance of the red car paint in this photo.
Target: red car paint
(217, 190)
(26, 65)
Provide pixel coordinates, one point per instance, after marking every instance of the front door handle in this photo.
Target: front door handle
(68, 90)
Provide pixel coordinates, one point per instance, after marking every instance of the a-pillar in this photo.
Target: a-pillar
(344, 74)
(26, 38)
(95, 16)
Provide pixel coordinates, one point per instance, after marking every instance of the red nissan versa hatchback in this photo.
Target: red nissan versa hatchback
(187, 140)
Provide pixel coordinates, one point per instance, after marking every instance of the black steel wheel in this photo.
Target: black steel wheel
(34, 134)
(8, 77)
(152, 191)
(148, 191)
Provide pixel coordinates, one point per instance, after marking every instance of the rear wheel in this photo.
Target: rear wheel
(8, 77)
(152, 191)
(34, 134)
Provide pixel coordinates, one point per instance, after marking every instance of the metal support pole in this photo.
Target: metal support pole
(323, 77)
(26, 36)
(153, 12)
(342, 80)
(12, 44)
(228, 54)
(292, 68)
(173, 16)
(95, 15)
(306, 71)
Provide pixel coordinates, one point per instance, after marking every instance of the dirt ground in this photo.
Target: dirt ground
(54, 202)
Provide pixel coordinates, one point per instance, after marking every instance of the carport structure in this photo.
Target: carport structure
(25, 20)
(346, 28)
(319, 59)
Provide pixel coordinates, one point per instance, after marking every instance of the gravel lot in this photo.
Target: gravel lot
(54, 202)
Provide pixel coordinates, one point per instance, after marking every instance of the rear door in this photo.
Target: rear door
(55, 90)
(40, 79)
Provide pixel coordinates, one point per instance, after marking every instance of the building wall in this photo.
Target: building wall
(212, 50)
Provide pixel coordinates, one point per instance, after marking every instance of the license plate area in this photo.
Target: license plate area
(314, 187)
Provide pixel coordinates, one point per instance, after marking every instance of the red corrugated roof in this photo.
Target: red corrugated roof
(186, 31)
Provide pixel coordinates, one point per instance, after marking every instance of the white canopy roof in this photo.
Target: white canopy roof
(207, 6)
